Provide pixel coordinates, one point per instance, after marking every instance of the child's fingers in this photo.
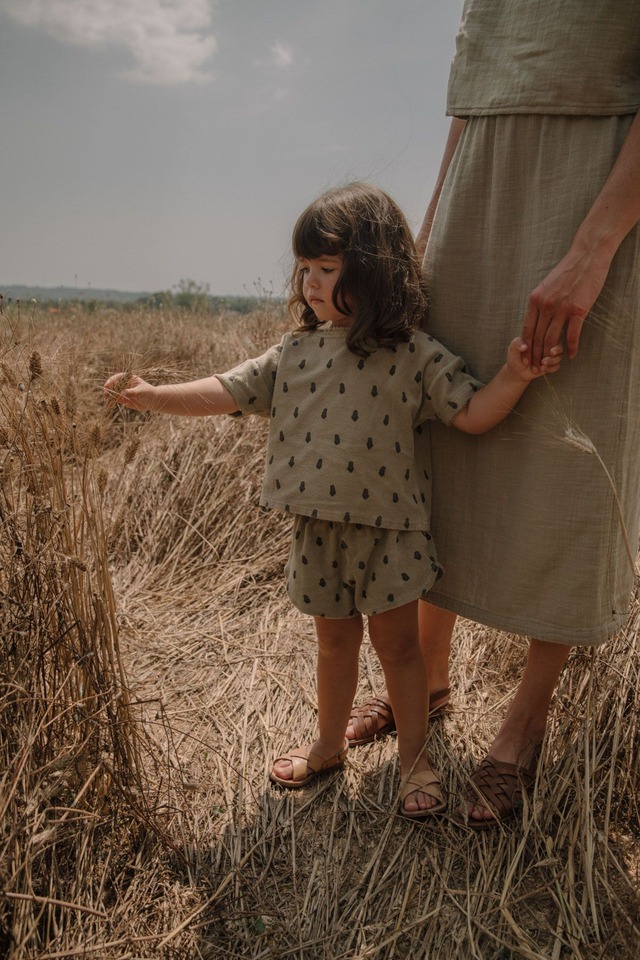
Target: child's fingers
(550, 364)
(518, 351)
(118, 388)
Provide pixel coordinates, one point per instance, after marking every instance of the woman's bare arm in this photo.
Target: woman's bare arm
(455, 130)
(561, 302)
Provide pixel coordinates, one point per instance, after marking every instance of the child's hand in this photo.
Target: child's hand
(519, 364)
(130, 391)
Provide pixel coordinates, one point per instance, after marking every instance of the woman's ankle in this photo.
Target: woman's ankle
(515, 738)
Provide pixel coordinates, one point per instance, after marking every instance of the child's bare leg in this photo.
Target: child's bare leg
(436, 628)
(394, 634)
(337, 672)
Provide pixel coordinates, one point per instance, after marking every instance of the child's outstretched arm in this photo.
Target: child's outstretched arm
(492, 403)
(197, 398)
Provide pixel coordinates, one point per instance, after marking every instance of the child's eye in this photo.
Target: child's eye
(328, 269)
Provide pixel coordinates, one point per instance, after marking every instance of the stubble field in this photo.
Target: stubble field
(151, 667)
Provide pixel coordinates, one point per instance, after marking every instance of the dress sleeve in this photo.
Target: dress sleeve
(251, 383)
(447, 384)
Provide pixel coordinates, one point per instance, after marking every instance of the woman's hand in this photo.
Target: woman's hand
(520, 366)
(559, 305)
(129, 391)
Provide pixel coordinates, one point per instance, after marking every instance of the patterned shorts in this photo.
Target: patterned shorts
(339, 570)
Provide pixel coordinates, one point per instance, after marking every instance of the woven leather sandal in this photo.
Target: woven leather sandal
(500, 787)
(423, 781)
(375, 718)
(308, 766)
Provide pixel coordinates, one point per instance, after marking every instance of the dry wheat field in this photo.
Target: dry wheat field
(151, 667)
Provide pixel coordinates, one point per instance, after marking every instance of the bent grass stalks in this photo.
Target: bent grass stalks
(573, 436)
(580, 441)
(73, 756)
(155, 668)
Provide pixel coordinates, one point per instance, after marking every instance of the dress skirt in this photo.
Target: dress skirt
(536, 522)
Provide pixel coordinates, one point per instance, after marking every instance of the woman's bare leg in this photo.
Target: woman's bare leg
(526, 718)
(337, 674)
(436, 630)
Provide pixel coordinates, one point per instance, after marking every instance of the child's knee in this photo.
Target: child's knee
(338, 638)
(397, 648)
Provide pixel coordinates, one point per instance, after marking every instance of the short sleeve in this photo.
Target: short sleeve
(447, 384)
(251, 383)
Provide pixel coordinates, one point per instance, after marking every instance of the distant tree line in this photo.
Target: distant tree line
(185, 295)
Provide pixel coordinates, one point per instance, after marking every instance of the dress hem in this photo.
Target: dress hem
(582, 110)
(570, 636)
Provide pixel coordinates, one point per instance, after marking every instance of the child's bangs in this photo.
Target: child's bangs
(313, 238)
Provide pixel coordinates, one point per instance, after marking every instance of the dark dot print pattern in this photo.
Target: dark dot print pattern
(378, 488)
(350, 569)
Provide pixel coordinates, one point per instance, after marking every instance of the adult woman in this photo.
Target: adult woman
(534, 215)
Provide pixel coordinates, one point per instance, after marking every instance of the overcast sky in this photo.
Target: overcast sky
(149, 141)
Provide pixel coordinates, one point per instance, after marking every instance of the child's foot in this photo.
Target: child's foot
(304, 764)
(374, 719)
(421, 795)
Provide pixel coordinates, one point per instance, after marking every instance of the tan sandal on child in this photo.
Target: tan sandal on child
(307, 766)
(422, 781)
(375, 718)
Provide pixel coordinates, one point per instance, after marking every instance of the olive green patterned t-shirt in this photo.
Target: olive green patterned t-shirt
(344, 429)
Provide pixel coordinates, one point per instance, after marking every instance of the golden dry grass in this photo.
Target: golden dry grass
(152, 667)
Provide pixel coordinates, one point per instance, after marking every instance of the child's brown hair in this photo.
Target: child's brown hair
(380, 284)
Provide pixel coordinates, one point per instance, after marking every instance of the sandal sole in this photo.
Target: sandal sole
(299, 784)
(435, 811)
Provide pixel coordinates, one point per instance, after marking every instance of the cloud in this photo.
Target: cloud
(170, 40)
(281, 55)
(280, 58)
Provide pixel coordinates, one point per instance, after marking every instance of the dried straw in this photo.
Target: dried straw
(219, 672)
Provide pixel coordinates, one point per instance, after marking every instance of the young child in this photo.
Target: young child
(348, 394)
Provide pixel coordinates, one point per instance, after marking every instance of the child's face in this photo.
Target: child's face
(319, 278)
